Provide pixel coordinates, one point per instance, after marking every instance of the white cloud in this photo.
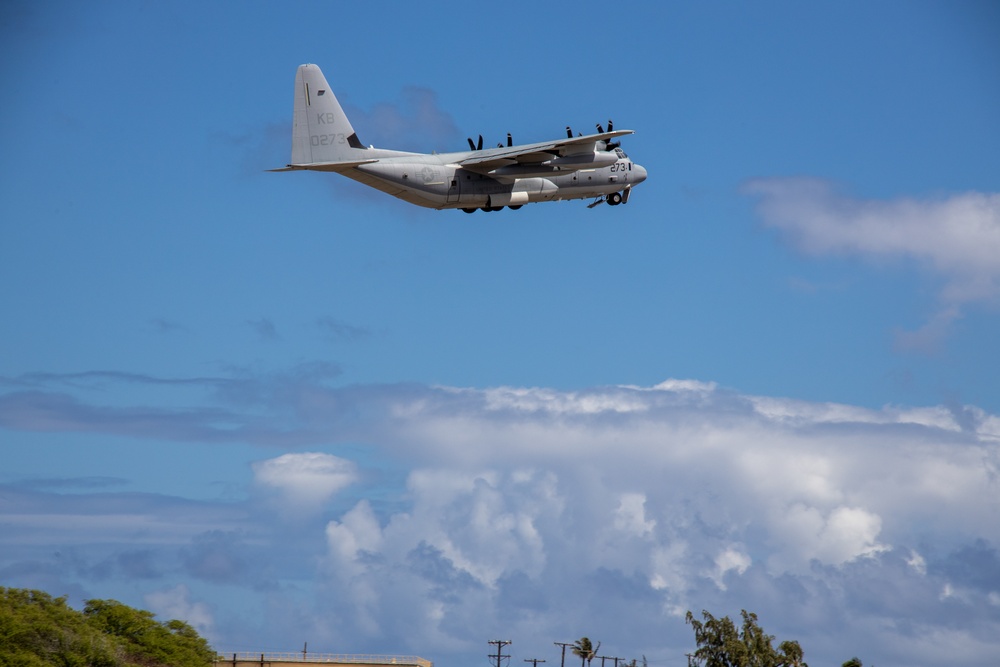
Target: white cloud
(730, 559)
(175, 603)
(957, 238)
(696, 492)
(356, 533)
(917, 562)
(547, 513)
(305, 480)
(631, 515)
(842, 535)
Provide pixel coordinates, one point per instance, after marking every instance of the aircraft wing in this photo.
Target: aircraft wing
(528, 154)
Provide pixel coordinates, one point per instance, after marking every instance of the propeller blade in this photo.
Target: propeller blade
(510, 140)
(472, 146)
(569, 132)
(600, 130)
(479, 147)
(610, 126)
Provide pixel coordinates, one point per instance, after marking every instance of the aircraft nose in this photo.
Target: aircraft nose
(638, 173)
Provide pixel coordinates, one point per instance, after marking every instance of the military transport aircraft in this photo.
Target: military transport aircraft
(578, 167)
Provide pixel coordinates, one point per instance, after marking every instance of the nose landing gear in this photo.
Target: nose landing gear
(612, 199)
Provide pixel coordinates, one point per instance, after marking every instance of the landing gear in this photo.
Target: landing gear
(491, 209)
(612, 199)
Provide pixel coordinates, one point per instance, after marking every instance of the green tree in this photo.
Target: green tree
(172, 643)
(853, 662)
(37, 630)
(585, 649)
(721, 644)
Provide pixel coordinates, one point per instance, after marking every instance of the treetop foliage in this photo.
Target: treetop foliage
(721, 644)
(585, 649)
(38, 630)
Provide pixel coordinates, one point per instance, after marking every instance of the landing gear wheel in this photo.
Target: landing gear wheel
(615, 198)
(515, 207)
(469, 210)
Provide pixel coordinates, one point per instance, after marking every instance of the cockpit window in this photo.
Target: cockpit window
(621, 153)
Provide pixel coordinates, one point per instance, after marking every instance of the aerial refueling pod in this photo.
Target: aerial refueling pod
(507, 199)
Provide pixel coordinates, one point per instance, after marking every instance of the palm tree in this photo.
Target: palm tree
(586, 650)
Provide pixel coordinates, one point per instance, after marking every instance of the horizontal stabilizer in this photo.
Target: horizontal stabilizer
(325, 166)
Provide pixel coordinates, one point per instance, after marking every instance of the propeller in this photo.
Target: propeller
(611, 145)
(478, 146)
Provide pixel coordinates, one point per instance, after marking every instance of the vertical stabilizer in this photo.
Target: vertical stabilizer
(320, 129)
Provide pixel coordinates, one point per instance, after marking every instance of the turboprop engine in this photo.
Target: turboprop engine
(594, 159)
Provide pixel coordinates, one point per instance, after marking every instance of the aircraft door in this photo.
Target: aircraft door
(454, 186)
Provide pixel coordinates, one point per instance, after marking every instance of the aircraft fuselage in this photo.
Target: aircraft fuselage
(435, 181)
(574, 167)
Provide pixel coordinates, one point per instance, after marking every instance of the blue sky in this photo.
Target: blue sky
(288, 408)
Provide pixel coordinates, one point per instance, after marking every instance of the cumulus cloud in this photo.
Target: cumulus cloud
(175, 603)
(842, 535)
(551, 513)
(730, 559)
(672, 492)
(631, 515)
(305, 480)
(956, 238)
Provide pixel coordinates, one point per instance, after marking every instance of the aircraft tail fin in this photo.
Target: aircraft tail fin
(321, 131)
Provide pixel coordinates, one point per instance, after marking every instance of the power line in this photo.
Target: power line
(534, 661)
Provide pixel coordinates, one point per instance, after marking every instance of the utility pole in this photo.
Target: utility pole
(534, 661)
(690, 657)
(499, 643)
(562, 662)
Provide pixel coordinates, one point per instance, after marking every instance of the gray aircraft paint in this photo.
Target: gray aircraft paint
(583, 167)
